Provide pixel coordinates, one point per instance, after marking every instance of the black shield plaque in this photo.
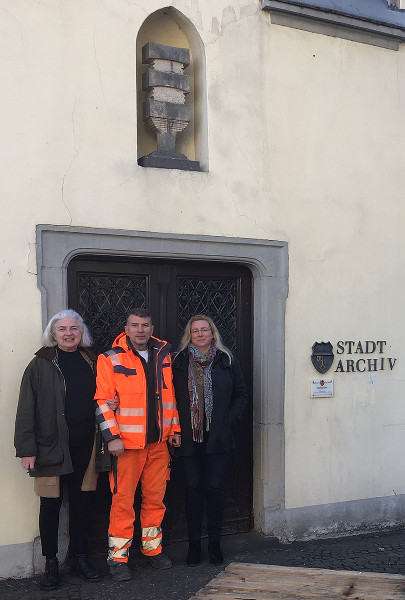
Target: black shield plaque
(322, 356)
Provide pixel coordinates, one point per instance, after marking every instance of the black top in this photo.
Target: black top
(80, 389)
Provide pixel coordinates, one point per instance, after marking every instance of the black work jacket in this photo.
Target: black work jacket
(40, 425)
(229, 400)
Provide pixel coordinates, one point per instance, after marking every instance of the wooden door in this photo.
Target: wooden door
(103, 289)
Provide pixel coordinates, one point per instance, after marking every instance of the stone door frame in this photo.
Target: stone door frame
(268, 262)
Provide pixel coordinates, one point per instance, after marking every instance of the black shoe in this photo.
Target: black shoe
(159, 561)
(119, 571)
(215, 554)
(194, 554)
(83, 568)
(50, 579)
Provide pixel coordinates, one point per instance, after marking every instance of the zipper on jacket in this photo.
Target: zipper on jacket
(158, 393)
(146, 406)
(55, 362)
(142, 370)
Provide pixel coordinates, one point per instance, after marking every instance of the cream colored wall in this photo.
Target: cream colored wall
(335, 113)
(305, 146)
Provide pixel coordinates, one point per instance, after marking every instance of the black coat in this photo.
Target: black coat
(229, 400)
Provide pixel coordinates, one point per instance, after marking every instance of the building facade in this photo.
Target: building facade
(290, 169)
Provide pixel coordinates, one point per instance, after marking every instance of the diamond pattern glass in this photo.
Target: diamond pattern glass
(103, 301)
(215, 298)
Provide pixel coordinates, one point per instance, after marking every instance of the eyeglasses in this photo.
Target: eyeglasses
(203, 330)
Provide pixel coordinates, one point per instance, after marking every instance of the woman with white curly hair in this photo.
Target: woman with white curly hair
(54, 437)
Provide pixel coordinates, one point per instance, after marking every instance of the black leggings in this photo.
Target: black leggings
(205, 476)
(79, 514)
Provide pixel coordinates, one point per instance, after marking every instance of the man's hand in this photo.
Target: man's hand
(116, 447)
(28, 462)
(175, 440)
(113, 403)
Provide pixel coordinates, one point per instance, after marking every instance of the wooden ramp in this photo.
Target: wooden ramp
(245, 581)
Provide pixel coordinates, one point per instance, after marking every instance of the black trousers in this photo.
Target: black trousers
(79, 514)
(205, 480)
(79, 505)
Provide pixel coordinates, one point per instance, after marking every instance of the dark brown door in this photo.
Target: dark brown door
(103, 289)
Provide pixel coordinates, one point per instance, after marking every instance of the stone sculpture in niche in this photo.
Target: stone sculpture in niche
(164, 111)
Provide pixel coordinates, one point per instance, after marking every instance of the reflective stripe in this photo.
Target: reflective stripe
(152, 544)
(115, 359)
(169, 405)
(109, 353)
(151, 532)
(102, 409)
(168, 422)
(130, 428)
(118, 548)
(116, 542)
(115, 350)
(151, 538)
(107, 424)
(130, 412)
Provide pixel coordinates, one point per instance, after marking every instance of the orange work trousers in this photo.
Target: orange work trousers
(150, 466)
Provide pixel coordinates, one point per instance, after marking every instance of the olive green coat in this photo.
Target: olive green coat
(40, 426)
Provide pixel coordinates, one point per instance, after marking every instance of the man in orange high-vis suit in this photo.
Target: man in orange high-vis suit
(137, 372)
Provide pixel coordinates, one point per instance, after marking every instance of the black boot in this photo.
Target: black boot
(50, 579)
(194, 554)
(82, 567)
(215, 554)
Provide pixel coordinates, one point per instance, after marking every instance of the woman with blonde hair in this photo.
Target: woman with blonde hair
(211, 395)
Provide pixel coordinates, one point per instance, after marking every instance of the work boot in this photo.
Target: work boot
(194, 553)
(50, 579)
(159, 561)
(119, 571)
(215, 554)
(84, 569)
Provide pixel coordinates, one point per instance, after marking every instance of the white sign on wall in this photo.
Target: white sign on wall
(321, 388)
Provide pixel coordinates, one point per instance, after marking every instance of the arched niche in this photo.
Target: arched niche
(170, 27)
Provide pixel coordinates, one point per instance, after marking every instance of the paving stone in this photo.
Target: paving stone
(381, 552)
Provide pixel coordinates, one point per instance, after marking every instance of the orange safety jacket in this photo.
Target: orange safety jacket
(120, 372)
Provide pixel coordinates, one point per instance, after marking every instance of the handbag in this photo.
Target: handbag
(103, 457)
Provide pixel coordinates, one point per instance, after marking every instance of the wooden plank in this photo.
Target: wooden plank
(259, 572)
(206, 595)
(302, 571)
(310, 589)
(250, 581)
(343, 580)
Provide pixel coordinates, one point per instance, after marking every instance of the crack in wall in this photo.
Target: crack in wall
(98, 65)
(31, 259)
(75, 154)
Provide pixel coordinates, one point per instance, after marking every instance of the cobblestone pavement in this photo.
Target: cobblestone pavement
(379, 552)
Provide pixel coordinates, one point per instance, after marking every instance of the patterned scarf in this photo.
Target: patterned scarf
(200, 389)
